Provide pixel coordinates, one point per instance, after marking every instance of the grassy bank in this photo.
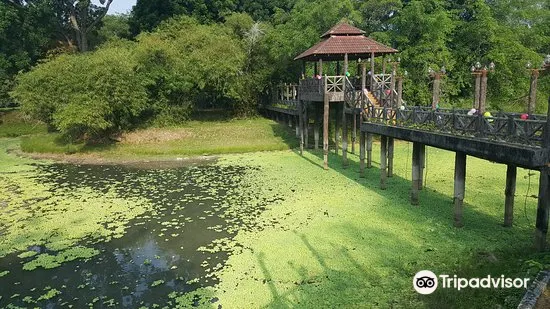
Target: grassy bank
(193, 138)
(14, 124)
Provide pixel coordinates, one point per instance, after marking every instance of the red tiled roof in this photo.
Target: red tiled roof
(358, 45)
(343, 29)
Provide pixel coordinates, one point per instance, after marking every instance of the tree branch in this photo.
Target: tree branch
(100, 17)
(72, 17)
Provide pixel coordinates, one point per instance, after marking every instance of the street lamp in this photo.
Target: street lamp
(533, 85)
(481, 84)
(437, 83)
(394, 65)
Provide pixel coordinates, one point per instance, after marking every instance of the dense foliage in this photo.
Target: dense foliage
(230, 52)
(158, 79)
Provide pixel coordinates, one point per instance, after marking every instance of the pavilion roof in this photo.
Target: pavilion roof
(344, 39)
(343, 29)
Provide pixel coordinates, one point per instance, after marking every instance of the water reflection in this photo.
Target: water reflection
(158, 255)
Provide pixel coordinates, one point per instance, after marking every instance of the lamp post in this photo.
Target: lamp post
(481, 84)
(533, 85)
(400, 88)
(394, 65)
(437, 84)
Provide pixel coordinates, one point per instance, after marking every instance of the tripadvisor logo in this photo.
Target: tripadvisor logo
(426, 282)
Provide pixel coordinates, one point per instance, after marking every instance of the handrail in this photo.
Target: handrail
(503, 127)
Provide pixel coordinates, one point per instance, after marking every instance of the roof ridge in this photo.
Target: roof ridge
(343, 28)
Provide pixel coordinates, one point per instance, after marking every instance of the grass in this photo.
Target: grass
(341, 242)
(193, 138)
(14, 124)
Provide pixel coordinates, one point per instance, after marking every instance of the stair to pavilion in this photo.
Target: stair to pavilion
(372, 99)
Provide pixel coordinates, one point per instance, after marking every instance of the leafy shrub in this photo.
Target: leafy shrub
(157, 80)
(87, 95)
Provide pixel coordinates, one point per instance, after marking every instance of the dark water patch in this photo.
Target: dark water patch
(174, 247)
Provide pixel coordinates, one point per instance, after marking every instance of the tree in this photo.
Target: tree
(80, 17)
(76, 19)
(377, 15)
(147, 15)
(26, 33)
(422, 33)
(112, 27)
(263, 10)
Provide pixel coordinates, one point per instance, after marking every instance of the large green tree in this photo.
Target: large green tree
(26, 33)
(422, 33)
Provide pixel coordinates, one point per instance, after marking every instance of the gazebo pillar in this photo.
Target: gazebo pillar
(325, 129)
(372, 71)
(320, 66)
(345, 118)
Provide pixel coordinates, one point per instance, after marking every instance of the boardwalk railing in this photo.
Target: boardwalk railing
(284, 96)
(312, 85)
(502, 127)
(334, 84)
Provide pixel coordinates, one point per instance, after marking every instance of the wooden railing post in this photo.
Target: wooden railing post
(510, 126)
(455, 120)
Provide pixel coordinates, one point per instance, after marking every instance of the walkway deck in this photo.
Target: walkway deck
(504, 138)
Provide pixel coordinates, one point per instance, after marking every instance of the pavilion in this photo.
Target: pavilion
(343, 42)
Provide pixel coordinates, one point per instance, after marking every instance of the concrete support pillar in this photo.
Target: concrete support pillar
(306, 126)
(390, 156)
(297, 126)
(325, 130)
(459, 188)
(369, 150)
(543, 209)
(354, 132)
(316, 128)
(422, 166)
(383, 161)
(362, 142)
(301, 116)
(336, 129)
(510, 193)
(344, 136)
(416, 181)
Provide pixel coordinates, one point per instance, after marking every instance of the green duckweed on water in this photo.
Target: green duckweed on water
(336, 240)
(48, 261)
(291, 234)
(55, 219)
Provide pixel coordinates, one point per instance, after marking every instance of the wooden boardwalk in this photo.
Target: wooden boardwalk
(503, 138)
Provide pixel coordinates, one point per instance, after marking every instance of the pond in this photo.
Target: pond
(181, 234)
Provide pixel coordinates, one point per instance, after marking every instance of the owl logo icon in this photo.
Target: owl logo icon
(425, 282)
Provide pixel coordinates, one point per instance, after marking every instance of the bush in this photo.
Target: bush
(157, 80)
(86, 96)
(190, 64)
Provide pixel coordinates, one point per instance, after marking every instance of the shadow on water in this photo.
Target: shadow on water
(191, 208)
(354, 285)
(436, 210)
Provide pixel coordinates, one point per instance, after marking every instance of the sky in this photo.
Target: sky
(121, 6)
